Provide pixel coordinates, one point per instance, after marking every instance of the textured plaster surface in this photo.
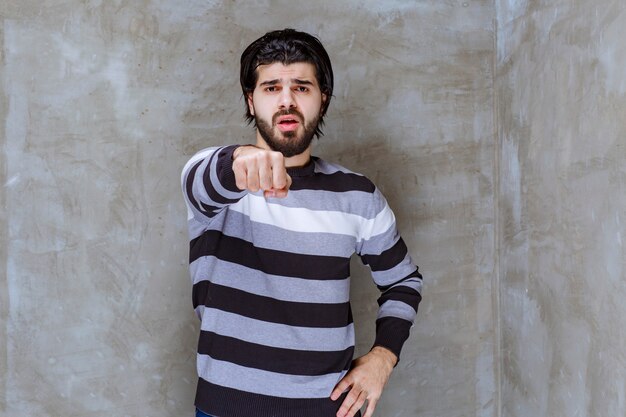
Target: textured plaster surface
(561, 101)
(103, 101)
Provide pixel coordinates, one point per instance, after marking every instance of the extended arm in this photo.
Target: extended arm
(217, 177)
(209, 183)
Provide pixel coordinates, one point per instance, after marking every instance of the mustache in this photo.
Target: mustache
(291, 112)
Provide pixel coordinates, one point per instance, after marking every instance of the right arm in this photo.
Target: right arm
(217, 177)
(209, 184)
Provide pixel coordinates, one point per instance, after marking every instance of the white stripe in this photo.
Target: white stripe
(320, 244)
(265, 382)
(299, 290)
(313, 221)
(380, 224)
(274, 334)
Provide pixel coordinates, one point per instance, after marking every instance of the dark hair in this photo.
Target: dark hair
(287, 46)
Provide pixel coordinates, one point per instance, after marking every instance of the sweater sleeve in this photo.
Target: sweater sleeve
(208, 183)
(395, 275)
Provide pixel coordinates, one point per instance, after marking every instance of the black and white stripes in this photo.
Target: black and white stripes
(271, 284)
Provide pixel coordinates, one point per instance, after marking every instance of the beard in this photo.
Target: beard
(287, 143)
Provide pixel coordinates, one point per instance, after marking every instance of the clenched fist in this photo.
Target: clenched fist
(260, 169)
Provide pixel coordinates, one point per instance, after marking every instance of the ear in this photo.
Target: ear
(250, 103)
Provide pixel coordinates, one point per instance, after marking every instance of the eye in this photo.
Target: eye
(302, 89)
(271, 89)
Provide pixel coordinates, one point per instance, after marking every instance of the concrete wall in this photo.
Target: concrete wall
(103, 101)
(561, 102)
(520, 239)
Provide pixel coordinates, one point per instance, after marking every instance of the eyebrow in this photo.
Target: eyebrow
(295, 80)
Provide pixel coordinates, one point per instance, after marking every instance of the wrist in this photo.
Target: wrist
(236, 152)
(241, 148)
(387, 355)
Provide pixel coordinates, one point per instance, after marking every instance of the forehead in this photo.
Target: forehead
(284, 73)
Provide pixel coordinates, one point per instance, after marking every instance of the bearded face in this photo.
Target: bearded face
(286, 105)
(283, 134)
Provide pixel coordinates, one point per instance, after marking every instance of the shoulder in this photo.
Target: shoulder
(342, 178)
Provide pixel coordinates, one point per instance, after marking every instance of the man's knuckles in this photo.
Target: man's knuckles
(250, 164)
(277, 158)
(280, 184)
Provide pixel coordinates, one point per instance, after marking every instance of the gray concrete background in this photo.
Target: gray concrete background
(500, 150)
(561, 94)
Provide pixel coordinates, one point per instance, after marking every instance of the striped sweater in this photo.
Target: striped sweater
(271, 285)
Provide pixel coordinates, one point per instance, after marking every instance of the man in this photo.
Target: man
(272, 230)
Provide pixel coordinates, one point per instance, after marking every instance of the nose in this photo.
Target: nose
(286, 99)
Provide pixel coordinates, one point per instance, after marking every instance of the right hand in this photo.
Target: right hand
(260, 169)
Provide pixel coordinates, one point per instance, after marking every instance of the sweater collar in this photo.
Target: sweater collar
(303, 171)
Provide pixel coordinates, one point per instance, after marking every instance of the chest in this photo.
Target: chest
(309, 223)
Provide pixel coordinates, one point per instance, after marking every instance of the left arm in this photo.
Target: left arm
(400, 283)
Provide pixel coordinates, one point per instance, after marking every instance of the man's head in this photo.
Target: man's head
(287, 83)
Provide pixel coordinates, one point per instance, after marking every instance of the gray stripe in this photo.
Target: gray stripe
(198, 189)
(198, 217)
(196, 226)
(217, 185)
(191, 210)
(360, 201)
(271, 237)
(401, 270)
(277, 335)
(393, 308)
(265, 382)
(414, 283)
(281, 288)
(191, 162)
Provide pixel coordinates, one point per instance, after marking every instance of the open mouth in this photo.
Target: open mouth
(287, 123)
